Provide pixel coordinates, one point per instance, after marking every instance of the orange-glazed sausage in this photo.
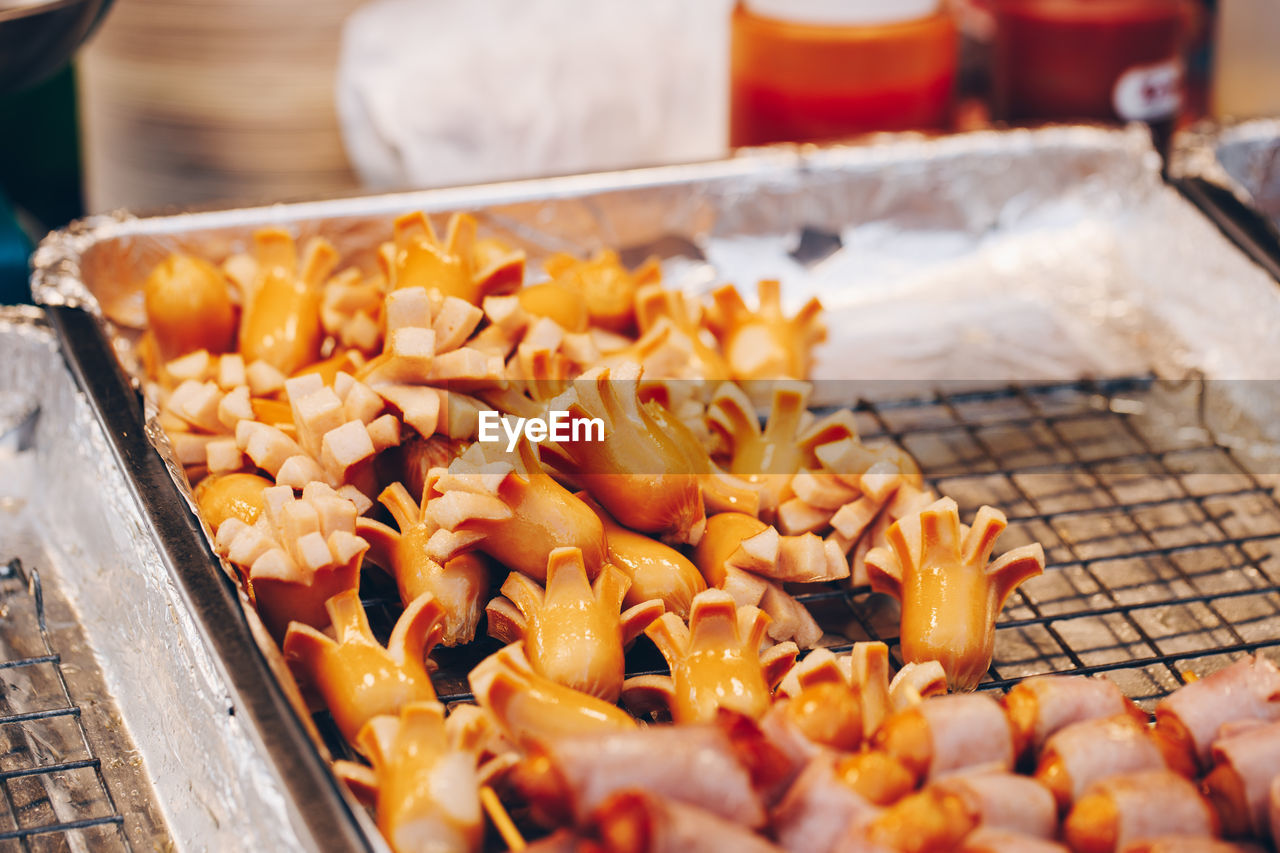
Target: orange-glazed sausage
(188, 306)
(518, 518)
(765, 344)
(937, 568)
(646, 471)
(281, 323)
(460, 584)
(427, 792)
(572, 630)
(532, 709)
(359, 678)
(877, 776)
(715, 661)
(223, 496)
(656, 570)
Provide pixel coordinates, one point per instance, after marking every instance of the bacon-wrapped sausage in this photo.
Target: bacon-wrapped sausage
(877, 776)
(1191, 716)
(570, 777)
(1006, 801)
(1240, 785)
(1086, 752)
(948, 733)
(818, 809)
(1124, 809)
(636, 822)
(925, 821)
(984, 840)
(1189, 844)
(1274, 808)
(1040, 706)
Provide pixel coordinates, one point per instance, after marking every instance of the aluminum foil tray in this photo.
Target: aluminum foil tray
(100, 656)
(973, 284)
(1232, 171)
(1243, 158)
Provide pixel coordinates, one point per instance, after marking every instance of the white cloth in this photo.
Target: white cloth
(443, 92)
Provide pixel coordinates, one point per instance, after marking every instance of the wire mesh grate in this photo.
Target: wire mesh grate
(55, 796)
(1160, 545)
(1162, 549)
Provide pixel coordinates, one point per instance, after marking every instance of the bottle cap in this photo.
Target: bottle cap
(844, 12)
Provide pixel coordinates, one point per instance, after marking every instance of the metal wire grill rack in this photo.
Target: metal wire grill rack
(1162, 548)
(54, 794)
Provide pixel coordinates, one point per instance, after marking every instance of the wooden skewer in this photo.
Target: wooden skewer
(501, 820)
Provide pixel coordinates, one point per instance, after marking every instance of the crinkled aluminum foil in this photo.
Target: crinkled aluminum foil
(1243, 158)
(993, 255)
(1019, 255)
(213, 786)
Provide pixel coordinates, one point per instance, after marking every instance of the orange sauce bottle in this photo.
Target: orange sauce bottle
(814, 70)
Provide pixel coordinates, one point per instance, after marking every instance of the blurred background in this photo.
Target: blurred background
(180, 103)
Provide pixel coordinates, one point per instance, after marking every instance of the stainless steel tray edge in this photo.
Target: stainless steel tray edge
(321, 813)
(1245, 205)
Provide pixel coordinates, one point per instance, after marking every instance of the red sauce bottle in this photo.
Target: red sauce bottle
(1090, 59)
(814, 70)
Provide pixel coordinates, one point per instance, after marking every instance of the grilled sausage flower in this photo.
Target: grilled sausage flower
(950, 595)
(458, 584)
(715, 662)
(423, 786)
(530, 708)
(572, 630)
(359, 678)
(517, 515)
(645, 472)
(297, 555)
